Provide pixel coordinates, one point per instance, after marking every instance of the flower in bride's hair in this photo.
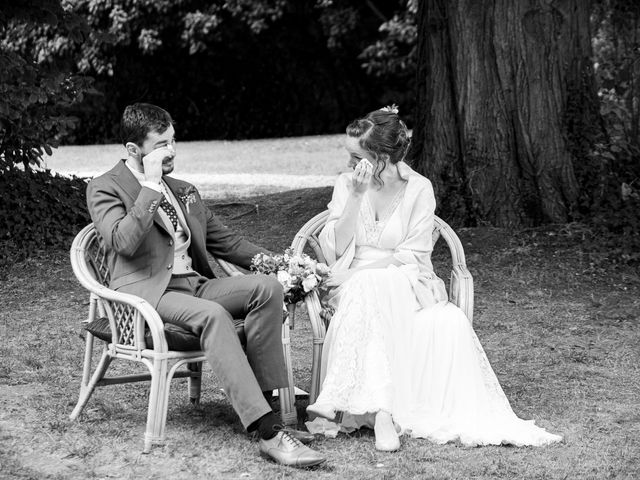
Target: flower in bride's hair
(391, 109)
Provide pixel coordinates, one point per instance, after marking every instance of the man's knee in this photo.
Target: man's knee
(215, 311)
(268, 287)
(213, 314)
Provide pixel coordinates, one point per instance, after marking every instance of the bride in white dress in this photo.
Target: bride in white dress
(398, 357)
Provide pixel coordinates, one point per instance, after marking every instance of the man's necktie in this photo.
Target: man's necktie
(170, 211)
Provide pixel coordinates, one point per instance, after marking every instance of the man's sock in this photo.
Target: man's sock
(267, 426)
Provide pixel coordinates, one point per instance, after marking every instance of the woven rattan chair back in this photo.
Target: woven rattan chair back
(96, 257)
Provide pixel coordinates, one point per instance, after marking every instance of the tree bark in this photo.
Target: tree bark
(497, 82)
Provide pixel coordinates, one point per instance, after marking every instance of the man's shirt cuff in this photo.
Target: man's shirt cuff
(152, 186)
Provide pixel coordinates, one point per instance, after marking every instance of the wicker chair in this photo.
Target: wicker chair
(134, 323)
(306, 241)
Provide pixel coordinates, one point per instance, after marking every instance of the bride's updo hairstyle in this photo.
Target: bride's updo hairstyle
(382, 134)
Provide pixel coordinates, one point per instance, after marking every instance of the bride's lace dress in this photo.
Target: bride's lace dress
(421, 361)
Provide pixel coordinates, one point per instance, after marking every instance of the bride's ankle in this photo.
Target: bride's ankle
(323, 410)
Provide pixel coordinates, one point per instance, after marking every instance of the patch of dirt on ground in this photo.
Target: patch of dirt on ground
(272, 220)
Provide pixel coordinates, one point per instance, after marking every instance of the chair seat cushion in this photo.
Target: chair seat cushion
(177, 337)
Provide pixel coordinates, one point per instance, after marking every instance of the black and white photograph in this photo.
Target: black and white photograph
(320, 239)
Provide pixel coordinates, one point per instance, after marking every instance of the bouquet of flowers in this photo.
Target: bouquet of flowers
(298, 274)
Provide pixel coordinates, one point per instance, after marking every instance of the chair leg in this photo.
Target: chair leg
(288, 411)
(88, 353)
(315, 372)
(157, 413)
(319, 329)
(195, 382)
(87, 389)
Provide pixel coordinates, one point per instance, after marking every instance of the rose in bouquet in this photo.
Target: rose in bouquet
(299, 274)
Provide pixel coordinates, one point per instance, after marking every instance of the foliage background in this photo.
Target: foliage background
(233, 69)
(224, 69)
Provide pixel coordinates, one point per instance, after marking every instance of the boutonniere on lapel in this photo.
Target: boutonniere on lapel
(187, 196)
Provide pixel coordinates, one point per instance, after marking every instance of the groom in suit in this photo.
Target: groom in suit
(157, 232)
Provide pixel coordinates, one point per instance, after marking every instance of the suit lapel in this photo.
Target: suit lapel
(192, 222)
(174, 185)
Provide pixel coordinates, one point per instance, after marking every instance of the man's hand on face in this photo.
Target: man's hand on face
(152, 163)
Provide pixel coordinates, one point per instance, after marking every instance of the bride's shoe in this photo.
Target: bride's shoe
(387, 439)
(324, 411)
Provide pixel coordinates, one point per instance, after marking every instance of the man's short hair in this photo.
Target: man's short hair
(139, 119)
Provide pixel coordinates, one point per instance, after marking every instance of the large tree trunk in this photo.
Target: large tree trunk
(497, 81)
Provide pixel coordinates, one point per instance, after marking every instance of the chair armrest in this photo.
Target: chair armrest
(128, 315)
(312, 302)
(461, 290)
(319, 330)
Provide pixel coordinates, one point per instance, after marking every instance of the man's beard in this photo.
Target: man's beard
(167, 167)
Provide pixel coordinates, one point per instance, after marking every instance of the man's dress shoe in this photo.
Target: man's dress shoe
(286, 450)
(304, 437)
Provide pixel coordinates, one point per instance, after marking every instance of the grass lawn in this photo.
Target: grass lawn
(560, 329)
(228, 168)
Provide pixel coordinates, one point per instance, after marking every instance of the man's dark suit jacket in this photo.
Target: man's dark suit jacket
(140, 247)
